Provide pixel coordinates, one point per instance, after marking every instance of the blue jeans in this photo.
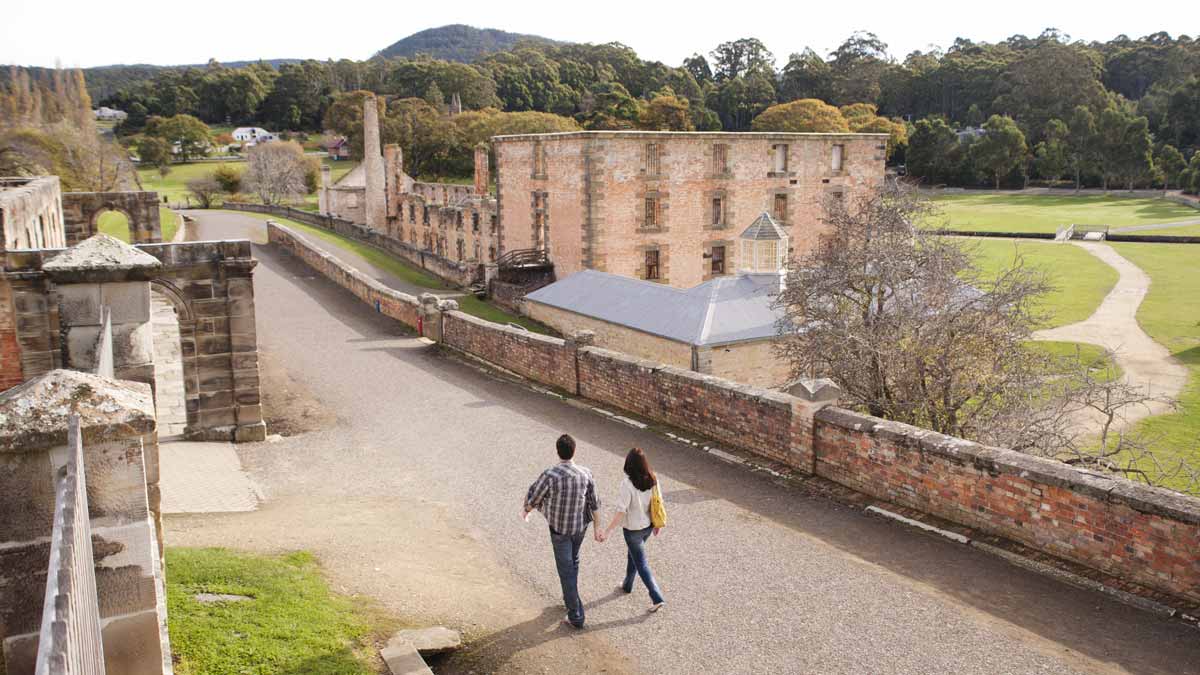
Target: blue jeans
(637, 563)
(566, 559)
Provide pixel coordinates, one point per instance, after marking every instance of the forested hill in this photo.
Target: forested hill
(457, 42)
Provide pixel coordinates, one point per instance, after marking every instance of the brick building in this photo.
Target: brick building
(663, 206)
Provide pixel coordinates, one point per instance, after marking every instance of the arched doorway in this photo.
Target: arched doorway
(170, 389)
(113, 222)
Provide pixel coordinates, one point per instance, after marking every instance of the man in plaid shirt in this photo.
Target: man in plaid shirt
(566, 494)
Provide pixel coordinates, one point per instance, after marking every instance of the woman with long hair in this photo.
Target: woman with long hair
(633, 514)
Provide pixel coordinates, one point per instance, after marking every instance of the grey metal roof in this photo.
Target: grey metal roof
(764, 228)
(724, 310)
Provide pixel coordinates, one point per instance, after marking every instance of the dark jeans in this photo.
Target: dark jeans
(637, 563)
(566, 559)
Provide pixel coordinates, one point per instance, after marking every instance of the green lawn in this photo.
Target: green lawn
(1171, 315)
(292, 622)
(1045, 213)
(1080, 279)
(114, 223)
(410, 273)
(1098, 359)
(174, 184)
(1182, 231)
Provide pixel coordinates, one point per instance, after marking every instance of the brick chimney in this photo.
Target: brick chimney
(481, 170)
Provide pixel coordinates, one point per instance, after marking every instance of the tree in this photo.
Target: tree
(698, 66)
(1170, 164)
(905, 324)
(153, 151)
(276, 171)
(228, 178)
(1053, 154)
(1081, 139)
(1001, 148)
(805, 115)
(930, 148)
(736, 58)
(433, 96)
(204, 189)
(666, 113)
(857, 66)
(806, 75)
(188, 135)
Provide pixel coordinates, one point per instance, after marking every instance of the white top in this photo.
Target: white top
(636, 505)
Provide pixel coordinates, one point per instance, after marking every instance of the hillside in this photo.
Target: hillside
(457, 43)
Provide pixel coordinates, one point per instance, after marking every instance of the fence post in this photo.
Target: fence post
(578, 340)
(812, 395)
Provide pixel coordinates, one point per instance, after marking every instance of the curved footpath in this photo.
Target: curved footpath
(1114, 326)
(412, 496)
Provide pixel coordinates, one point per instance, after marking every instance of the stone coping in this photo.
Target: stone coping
(996, 461)
(703, 135)
(548, 340)
(34, 415)
(98, 256)
(170, 253)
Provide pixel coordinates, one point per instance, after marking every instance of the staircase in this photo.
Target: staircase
(523, 257)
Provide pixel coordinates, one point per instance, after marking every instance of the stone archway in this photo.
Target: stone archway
(81, 210)
(114, 222)
(173, 326)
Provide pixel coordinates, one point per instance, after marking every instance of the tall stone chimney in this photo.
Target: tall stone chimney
(373, 166)
(323, 194)
(481, 170)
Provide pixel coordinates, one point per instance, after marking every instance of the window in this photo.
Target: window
(718, 211)
(781, 158)
(718, 260)
(460, 249)
(493, 226)
(780, 209)
(652, 269)
(412, 214)
(651, 213)
(839, 155)
(491, 254)
(425, 214)
(539, 160)
(475, 222)
(458, 221)
(651, 159)
(720, 159)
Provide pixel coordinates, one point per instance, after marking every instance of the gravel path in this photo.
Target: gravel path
(1114, 326)
(412, 498)
(1153, 226)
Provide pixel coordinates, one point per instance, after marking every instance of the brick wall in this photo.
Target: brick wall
(1143, 534)
(540, 358)
(1148, 535)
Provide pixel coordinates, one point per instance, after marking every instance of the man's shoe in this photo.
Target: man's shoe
(567, 622)
(624, 590)
(655, 607)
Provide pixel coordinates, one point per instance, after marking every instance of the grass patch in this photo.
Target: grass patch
(410, 273)
(1080, 279)
(174, 184)
(1046, 213)
(292, 624)
(116, 224)
(1171, 315)
(1182, 231)
(1097, 359)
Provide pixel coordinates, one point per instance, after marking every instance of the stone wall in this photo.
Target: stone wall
(81, 210)
(31, 213)
(1143, 534)
(590, 190)
(612, 336)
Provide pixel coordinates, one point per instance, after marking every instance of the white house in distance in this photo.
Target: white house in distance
(110, 114)
(253, 135)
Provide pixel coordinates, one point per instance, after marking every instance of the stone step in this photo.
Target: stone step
(429, 641)
(403, 659)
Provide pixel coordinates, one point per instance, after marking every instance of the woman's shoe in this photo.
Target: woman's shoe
(624, 590)
(656, 606)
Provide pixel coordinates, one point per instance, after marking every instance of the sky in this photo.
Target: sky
(90, 33)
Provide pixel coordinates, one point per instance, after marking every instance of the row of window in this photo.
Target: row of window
(652, 159)
(653, 264)
(652, 214)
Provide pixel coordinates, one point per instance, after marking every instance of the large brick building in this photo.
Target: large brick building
(668, 206)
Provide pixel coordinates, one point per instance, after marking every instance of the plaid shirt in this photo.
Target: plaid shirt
(566, 494)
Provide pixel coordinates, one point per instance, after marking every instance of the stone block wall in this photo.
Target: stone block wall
(592, 189)
(31, 213)
(82, 209)
(400, 306)
(541, 358)
(1132, 531)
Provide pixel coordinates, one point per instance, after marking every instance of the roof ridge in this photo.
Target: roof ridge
(706, 325)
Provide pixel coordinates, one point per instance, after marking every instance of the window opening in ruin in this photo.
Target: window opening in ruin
(652, 269)
(493, 225)
(780, 209)
(458, 221)
(651, 159)
(412, 214)
(781, 158)
(461, 250)
(718, 211)
(491, 254)
(839, 156)
(475, 222)
(720, 159)
(539, 160)
(425, 214)
(652, 220)
(718, 260)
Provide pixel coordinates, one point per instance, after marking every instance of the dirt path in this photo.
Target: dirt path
(1114, 326)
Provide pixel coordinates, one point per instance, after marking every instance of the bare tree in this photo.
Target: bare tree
(276, 171)
(205, 189)
(903, 321)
